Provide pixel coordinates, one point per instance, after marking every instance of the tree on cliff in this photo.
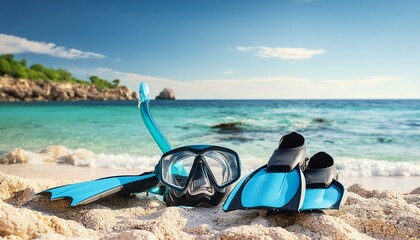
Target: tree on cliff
(102, 83)
(37, 72)
(13, 68)
(116, 82)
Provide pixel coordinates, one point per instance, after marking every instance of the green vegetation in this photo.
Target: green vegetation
(39, 73)
(103, 84)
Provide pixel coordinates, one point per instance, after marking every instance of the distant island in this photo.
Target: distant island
(166, 94)
(38, 83)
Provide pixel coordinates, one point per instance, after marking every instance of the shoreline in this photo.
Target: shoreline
(54, 171)
(77, 173)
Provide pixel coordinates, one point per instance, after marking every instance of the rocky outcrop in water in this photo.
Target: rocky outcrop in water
(17, 156)
(228, 125)
(166, 94)
(27, 90)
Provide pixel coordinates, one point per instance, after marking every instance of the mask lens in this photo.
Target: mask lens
(223, 166)
(176, 167)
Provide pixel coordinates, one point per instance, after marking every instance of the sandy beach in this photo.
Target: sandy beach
(306, 104)
(368, 213)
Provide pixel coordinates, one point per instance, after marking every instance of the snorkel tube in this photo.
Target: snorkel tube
(153, 128)
(163, 144)
(148, 120)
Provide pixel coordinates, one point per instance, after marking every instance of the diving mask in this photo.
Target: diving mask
(198, 175)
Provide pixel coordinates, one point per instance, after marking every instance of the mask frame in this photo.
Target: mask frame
(199, 150)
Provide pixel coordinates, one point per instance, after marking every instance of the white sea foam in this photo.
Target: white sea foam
(124, 161)
(356, 167)
(85, 158)
(346, 166)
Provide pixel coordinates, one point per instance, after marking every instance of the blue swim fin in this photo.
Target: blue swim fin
(323, 190)
(279, 185)
(87, 192)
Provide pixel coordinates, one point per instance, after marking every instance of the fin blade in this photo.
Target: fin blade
(87, 192)
(60, 189)
(230, 204)
(331, 197)
(271, 190)
(274, 191)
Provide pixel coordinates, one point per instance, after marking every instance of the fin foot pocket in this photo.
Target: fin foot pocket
(323, 190)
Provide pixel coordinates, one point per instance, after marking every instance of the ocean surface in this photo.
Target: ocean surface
(365, 137)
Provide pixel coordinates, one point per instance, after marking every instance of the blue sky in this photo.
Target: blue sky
(207, 49)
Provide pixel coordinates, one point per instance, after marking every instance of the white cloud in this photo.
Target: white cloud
(245, 49)
(276, 87)
(363, 82)
(228, 72)
(13, 45)
(282, 53)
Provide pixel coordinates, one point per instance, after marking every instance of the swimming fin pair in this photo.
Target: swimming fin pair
(290, 182)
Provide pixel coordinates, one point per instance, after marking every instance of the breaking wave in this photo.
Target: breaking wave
(346, 166)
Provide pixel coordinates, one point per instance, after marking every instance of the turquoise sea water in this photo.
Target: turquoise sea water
(381, 135)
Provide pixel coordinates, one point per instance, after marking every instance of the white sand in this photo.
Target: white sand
(367, 214)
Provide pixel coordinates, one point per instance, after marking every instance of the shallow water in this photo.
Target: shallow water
(380, 135)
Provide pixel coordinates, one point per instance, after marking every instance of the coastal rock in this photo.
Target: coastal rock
(228, 125)
(381, 214)
(416, 191)
(54, 152)
(80, 157)
(36, 224)
(321, 120)
(16, 156)
(38, 92)
(166, 94)
(27, 90)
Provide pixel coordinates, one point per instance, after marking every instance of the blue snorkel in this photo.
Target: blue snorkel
(151, 125)
(160, 139)
(144, 98)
